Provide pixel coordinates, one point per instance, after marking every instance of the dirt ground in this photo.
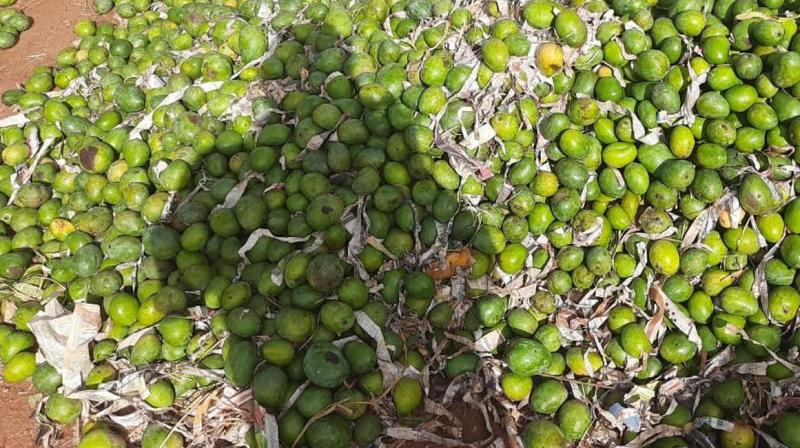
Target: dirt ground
(53, 21)
(17, 425)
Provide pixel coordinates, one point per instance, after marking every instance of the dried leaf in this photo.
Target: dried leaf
(238, 190)
(403, 433)
(389, 370)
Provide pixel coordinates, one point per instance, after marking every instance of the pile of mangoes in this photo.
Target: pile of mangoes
(586, 213)
(12, 23)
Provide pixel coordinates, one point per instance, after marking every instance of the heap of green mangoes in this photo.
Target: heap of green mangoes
(583, 216)
(12, 23)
